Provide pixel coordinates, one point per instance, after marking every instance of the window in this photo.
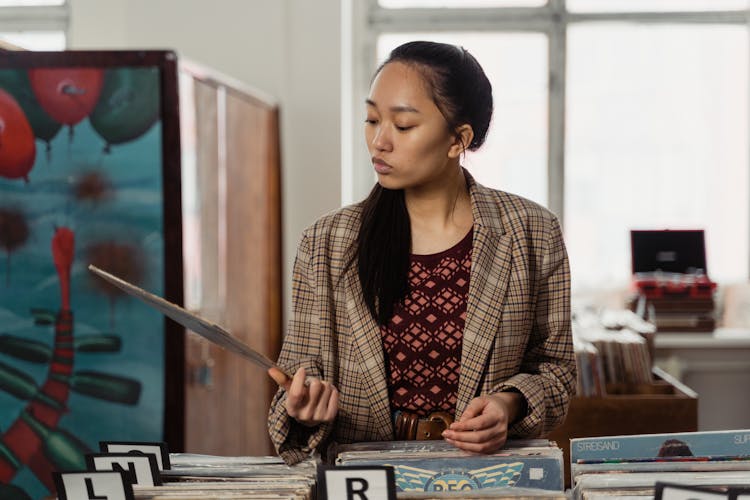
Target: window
(36, 40)
(28, 3)
(515, 152)
(645, 124)
(33, 24)
(655, 5)
(657, 127)
(401, 4)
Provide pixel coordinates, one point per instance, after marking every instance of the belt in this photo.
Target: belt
(410, 426)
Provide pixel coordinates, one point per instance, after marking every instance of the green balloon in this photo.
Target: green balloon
(11, 492)
(16, 83)
(128, 105)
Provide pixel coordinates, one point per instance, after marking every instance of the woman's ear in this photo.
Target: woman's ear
(463, 135)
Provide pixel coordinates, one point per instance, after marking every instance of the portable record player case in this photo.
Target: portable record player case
(670, 280)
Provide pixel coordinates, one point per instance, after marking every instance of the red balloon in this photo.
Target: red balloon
(67, 94)
(17, 147)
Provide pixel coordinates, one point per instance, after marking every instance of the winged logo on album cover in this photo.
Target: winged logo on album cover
(416, 479)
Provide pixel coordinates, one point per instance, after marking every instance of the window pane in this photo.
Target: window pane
(657, 138)
(654, 5)
(514, 156)
(24, 3)
(402, 4)
(36, 40)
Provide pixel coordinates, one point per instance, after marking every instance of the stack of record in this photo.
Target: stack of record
(678, 314)
(630, 466)
(206, 476)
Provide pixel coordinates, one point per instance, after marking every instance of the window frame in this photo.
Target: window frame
(368, 20)
(45, 18)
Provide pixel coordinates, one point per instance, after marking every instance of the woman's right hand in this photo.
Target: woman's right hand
(310, 401)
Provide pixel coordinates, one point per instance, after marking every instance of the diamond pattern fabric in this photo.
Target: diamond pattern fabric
(423, 339)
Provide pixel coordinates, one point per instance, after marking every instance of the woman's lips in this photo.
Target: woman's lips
(381, 167)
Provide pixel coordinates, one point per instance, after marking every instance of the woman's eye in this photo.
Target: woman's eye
(405, 128)
(371, 121)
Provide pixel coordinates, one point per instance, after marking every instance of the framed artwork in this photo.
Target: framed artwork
(89, 173)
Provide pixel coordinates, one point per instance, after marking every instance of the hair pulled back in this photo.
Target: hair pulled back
(457, 82)
(463, 94)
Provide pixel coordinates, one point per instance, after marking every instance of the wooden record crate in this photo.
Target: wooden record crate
(666, 405)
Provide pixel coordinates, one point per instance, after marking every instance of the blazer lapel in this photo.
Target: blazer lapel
(367, 337)
(490, 272)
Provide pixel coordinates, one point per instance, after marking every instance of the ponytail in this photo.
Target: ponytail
(383, 250)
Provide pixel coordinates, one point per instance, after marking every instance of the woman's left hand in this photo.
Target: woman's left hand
(483, 427)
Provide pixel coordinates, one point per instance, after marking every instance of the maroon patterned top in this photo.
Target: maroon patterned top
(423, 340)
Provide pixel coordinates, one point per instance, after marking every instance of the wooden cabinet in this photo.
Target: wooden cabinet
(232, 257)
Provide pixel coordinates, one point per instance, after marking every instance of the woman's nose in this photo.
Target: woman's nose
(381, 141)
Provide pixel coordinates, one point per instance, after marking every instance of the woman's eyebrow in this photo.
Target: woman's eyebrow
(394, 109)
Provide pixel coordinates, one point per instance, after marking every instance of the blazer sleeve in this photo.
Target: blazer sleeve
(547, 375)
(301, 347)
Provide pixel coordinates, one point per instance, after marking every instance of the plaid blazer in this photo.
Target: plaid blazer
(517, 334)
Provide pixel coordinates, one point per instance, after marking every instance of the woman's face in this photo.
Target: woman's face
(408, 138)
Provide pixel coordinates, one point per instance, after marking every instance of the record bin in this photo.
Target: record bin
(666, 405)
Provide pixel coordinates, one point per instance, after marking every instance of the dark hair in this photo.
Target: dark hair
(463, 94)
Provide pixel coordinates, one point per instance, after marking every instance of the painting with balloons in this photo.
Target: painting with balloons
(89, 173)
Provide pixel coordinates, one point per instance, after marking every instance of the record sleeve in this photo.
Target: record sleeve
(435, 466)
(706, 443)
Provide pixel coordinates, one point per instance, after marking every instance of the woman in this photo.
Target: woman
(435, 298)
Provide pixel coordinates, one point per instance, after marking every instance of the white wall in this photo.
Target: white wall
(289, 49)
